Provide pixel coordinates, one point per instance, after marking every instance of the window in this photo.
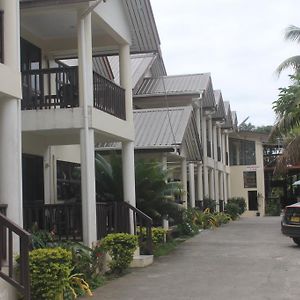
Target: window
(242, 152)
(250, 179)
(68, 181)
(1, 37)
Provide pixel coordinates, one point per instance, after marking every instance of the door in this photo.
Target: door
(252, 200)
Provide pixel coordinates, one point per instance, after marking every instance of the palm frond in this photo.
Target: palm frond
(292, 33)
(292, 62)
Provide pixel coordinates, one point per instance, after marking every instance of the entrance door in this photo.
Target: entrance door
(252, 200)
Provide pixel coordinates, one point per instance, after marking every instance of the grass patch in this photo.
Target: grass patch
(168, 247)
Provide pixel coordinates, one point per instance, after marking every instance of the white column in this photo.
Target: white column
(225, 187)
(184, 181)
(223, 145)
(204, 137)
(10, 117)
(87, 143)
(214, 143)
(211, 185)
(47, 175)
(128, 172)
(199, 183)
(217, 197)
(221, 181)
(210, 135)
(228, 186)
(206, 184)
(192, 184)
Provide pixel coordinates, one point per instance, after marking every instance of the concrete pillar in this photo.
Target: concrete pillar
(211, 185)
(128, 172)
(228, 186)
(223, 145)
(210, 135)
(10, 122)
(221, 185)
(204, 137)
(47, 175)
(87, 143)
(225, 187)
(184, 181)
(199, 183)
(206, 182)
(192, 184)
(125, 79)
(214, 143)
(217, 197)
(198, 123)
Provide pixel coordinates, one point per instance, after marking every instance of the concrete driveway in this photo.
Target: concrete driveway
(244, 260)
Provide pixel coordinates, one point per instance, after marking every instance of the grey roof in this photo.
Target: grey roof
(161, 128)
(234, 119)
(228, 121)
(140, 64)
(142, 24)
(220, 109)
(192, 84)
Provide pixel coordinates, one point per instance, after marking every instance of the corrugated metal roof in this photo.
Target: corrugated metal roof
(175, 84)
(179, 85)
(220, 109)
(140, 64)
(228, 121)
(165, 128)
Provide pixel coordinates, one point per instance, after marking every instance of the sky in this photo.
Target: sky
(239, 42)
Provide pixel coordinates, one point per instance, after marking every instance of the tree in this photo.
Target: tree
(155, 196)
(292, 34)
(287, 109)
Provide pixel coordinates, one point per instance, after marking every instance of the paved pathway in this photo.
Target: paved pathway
(244, 260)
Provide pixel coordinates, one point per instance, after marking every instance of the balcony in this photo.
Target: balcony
(57, 88)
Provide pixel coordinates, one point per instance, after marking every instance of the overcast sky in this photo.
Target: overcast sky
(239, 42)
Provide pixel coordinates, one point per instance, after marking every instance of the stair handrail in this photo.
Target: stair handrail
(23, 284)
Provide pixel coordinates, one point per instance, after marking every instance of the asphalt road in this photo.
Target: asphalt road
(244, 260)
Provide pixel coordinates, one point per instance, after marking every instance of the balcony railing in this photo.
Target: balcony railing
(58, 88)
(219, 153)
(208, 148)
(109, 97)
(65, 221)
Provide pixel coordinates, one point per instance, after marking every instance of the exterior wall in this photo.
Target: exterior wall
(237, 179)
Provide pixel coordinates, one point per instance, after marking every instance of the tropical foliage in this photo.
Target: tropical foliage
(287, 108)
(155, 196)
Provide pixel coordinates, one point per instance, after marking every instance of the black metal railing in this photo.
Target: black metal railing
(219, 153)
(117, 217)
(59, 88)
(109, 97)
(50, 88)
(1, 37)
(3, 208)
(221, 205)
(208, 148)
(8, 229)
(227, 158)
(63, 220)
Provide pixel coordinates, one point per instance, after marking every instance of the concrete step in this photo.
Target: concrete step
(249, 213)
(141, 261)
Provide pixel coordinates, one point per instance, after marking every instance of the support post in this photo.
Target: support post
(87, 143)
(192, 184)
(199, 182)
(184, 181)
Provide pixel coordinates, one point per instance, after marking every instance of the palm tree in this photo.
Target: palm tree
(287, 126)
(292, 33)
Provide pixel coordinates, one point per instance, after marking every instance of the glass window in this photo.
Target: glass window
(250, 179)
(242, 152)
(68, 181)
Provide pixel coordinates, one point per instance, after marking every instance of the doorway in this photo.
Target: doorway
(252, 200)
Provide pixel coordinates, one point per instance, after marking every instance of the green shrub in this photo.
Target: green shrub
(273, 207)
(240, 201)
(232, 209)
(221, 218)
(121, 247)
(189, 224)
(50, 270)
(210, 204)
(158, 235)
